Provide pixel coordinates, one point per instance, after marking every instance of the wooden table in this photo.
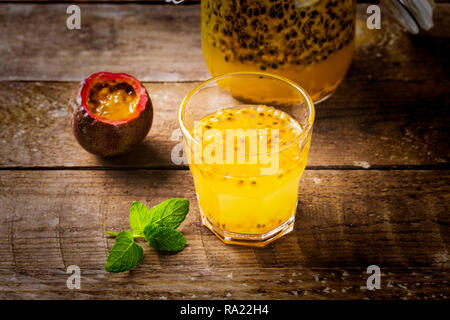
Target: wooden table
(375, 192)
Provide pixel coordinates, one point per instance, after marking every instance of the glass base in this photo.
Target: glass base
(253, 240)
(329, 94)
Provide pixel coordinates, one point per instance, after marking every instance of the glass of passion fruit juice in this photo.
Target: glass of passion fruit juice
(247, 147)
(308, 41)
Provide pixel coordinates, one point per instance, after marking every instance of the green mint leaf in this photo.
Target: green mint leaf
(170, 213)
(125, 253)
(140, 216)
(164, 238)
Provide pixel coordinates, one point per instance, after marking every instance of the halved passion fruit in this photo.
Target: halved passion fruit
(112, 113)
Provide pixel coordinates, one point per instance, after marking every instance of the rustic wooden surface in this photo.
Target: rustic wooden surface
(346, 221)
(162, 43)
(348, 128)
(376, 189)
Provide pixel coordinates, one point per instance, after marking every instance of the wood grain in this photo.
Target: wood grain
(346, 221)
(392, 123)
(56, 200)
(154, 43)
(162, 43)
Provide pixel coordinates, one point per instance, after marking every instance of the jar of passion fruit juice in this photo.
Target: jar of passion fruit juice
(308, 41)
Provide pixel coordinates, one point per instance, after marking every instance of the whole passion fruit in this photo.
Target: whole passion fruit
(111, 113)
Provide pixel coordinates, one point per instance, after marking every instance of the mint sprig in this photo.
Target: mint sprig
(170, 213)
(125, 253)
(140, 216)
(157, 225)
(164, 238)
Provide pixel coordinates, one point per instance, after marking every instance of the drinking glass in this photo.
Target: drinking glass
(247, 136)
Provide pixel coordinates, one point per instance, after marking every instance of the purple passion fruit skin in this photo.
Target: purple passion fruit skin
(101, 133)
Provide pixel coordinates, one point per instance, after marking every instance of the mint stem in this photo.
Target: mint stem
(114, 234)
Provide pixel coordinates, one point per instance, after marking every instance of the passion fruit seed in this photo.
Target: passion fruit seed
(248, 120)
(112, 100)
(287, 34)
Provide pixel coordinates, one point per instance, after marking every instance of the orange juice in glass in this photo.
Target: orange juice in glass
(247, 148)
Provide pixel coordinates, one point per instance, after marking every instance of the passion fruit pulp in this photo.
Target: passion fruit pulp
(111, 114)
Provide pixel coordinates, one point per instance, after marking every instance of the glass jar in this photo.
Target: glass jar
(308, 41)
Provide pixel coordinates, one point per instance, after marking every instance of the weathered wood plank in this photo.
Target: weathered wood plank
(155, 43)
(346, 221)
(364, 124)
(162, 43)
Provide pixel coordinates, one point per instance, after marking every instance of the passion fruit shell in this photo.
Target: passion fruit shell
(105, 137)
